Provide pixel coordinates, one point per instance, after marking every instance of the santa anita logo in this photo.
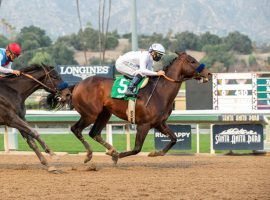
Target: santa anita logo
(235, 135)
(84, 71)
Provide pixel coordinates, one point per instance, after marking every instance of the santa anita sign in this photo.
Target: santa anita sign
(236, 137)
(73, 74)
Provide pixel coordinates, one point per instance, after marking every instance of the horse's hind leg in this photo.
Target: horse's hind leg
(41, 142)
(22, 126)
(34, 147)
(163, 128)
(95, 133)
(77, 130)
(142, 131)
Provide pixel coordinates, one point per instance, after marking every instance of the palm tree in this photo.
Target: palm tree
(99, 30)
(102, 33)
(107, 28)
(81, 28)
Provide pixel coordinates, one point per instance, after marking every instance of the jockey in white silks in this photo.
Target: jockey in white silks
(138, 64)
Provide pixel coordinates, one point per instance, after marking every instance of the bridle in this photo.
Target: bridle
(198, 71)
(47, 76)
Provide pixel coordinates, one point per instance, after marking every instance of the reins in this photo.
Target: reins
(33, 78)
(198, 70)
(166, 77)
(172, 80)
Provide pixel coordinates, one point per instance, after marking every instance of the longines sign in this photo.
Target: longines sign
(238, 137)
(73, 74)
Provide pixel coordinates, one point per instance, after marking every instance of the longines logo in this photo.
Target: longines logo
(84, 71)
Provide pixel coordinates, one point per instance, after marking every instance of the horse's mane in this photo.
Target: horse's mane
(30, 68)
(165, 68)
(169, 64)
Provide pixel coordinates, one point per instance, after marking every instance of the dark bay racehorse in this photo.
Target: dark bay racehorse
(91, 98)
(13, 93)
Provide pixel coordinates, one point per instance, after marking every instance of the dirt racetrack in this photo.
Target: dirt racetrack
(137, 177)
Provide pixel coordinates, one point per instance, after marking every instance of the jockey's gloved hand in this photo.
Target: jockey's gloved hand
(16, 72)
(160, 73)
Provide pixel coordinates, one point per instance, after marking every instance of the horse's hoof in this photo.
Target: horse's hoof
(152, 154)
(156, 153)
(44, 162)
(115, 158)
(86, 160)
(88, 157)
(111, 152)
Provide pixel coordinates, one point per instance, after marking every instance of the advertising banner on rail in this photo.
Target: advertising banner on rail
(238, 137)
(183, 134)
(73, 74)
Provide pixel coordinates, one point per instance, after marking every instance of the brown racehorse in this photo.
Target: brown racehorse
(15, 90)
(91, 98)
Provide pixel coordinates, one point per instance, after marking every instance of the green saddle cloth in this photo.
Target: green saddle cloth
(120, 86)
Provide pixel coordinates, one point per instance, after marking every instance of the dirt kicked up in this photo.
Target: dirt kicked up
(137, 177)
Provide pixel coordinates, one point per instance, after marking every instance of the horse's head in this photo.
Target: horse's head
(49, 79)
(191, 68)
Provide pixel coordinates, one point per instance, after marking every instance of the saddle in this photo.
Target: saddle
(121, 84)
(119, 89)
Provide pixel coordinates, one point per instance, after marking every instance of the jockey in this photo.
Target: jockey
(7, 56)
(138, 64)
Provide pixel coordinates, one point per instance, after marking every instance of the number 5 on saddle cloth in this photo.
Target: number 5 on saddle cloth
(121, 84)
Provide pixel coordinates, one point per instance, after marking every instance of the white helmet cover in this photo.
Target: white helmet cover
(158, 48)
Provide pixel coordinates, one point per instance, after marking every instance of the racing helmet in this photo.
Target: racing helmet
(158, 51)
(14, 48)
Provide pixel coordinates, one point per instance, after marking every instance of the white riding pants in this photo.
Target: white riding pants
(127, 68)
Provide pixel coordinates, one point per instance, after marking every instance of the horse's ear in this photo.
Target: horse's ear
(46, 66)
(179, 53)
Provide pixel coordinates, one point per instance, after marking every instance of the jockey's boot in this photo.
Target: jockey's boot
(132, 87)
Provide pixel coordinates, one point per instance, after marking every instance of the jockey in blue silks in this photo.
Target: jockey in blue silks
(7, 56)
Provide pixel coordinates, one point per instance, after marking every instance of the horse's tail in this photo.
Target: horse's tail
(52, 100)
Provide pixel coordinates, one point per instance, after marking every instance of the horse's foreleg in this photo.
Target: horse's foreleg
(77, 130)
(142, 131)
(163, 128)
(95, 133)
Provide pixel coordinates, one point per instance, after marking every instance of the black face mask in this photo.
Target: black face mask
(157, 56)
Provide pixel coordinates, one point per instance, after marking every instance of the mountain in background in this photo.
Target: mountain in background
(59, 17)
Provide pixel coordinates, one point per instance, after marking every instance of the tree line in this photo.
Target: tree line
(38, 47)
